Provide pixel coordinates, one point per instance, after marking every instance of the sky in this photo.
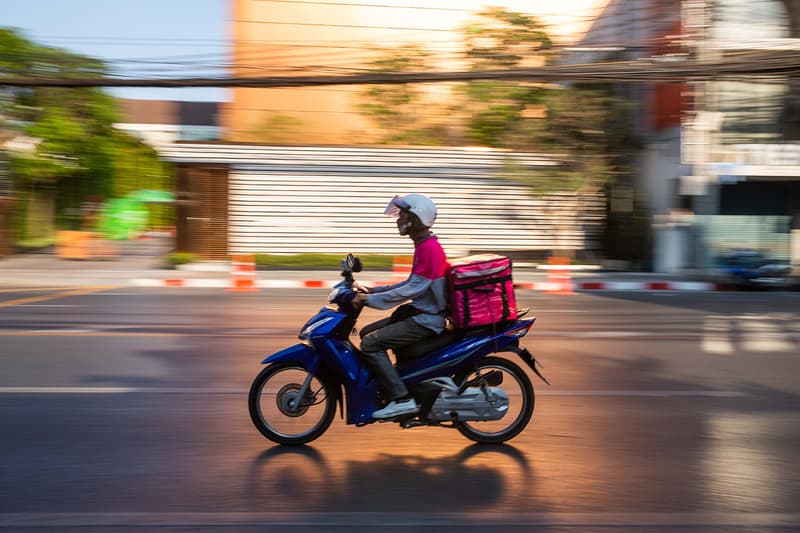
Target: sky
(131, 34)
(129, 29)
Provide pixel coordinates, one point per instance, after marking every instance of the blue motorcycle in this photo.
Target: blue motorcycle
(455, 377)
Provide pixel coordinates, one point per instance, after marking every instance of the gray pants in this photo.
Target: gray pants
(381, 336)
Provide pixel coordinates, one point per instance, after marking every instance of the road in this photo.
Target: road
(124, 409)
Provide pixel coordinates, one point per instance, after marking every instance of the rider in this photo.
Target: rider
(424, 316)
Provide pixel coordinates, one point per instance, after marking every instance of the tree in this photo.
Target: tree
(402, 111)
(501, 39)
(77, 151)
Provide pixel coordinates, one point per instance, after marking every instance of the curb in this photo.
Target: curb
(531, 286)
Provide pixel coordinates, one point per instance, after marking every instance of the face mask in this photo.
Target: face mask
(403, 227)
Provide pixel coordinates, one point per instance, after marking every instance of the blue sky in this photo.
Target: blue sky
(190, 35)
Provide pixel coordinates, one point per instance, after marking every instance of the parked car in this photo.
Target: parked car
(751, 269)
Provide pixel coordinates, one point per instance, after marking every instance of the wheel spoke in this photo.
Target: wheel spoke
(282, 412)
(520, 403)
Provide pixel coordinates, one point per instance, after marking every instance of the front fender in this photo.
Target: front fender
(309, 358)
(299, 353)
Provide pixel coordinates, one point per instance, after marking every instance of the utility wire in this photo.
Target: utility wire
(780, 63)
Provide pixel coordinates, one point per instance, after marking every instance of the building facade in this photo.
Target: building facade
(339, 38)
(720, 163)
(160, 122)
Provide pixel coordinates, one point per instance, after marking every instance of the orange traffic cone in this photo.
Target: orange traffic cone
(559, 278)
(243, 273)
(401, 267)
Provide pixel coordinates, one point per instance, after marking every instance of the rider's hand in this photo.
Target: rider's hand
(361, 288)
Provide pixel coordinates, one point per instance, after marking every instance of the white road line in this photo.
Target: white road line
(644, 393)
(381, 520)
(610, 393)
(611, 334)
(763, 336)
(50, 305)
(716, 337)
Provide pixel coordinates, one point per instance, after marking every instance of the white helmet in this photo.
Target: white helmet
(418, 204)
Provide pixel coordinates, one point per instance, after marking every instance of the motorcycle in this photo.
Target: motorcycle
(456, 377)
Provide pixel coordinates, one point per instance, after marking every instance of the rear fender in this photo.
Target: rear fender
(309, 359)
(526, 356)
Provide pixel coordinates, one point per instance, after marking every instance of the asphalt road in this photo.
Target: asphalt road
(125, 409)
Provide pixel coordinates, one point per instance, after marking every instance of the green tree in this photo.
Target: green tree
(501, 39)
(78, 154)
(402, 112)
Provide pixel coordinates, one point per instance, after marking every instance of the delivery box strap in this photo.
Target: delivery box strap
(480, 282)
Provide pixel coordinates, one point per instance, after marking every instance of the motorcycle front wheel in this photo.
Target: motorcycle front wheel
(278, 411)
(517, 386)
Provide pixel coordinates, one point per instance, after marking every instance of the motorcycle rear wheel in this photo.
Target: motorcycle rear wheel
(274, 408)
(521, 403)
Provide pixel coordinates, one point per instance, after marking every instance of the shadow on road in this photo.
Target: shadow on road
(477, 477)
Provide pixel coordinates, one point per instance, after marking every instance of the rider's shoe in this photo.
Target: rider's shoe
(397, 408)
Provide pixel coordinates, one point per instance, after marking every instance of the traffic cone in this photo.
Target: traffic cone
(401, 267)
(243, 273)
(559, 277)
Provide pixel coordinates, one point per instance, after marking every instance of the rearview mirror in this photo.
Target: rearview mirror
(353, 263)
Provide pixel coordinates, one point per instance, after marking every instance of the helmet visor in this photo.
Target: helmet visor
(396, 205)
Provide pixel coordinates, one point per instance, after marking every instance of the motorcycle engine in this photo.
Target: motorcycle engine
(472, 404)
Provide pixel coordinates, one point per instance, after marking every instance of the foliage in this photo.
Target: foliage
(180, 258)
(576, 130)
(278, 129)
(401, 111)
(501, 39)
(78, 154)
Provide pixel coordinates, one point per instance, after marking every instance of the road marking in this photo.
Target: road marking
(609, 393)
(35, 288)
(764, 336)
(716, 338)
(119, 390)
(75, 292)
(381, 520)
(611, 334)
(723, 334)
(51, 305)
(92, 333)
(644, 393)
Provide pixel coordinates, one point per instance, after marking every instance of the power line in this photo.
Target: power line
(640, 70)
(352, 26)
(428, 8)
(360, 4)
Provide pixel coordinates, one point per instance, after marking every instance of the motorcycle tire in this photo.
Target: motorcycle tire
(269, 425)
(473, 430)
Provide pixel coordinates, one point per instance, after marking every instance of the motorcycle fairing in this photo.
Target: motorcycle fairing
(341, 359)
(298, 353)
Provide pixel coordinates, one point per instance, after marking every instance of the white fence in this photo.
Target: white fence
(327, 199)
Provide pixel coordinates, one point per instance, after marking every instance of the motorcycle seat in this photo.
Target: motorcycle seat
(428, 344)
(434, 342)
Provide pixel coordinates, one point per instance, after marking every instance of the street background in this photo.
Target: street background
(125, 407)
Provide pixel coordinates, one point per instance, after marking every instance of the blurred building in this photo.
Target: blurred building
(159, 122)
(339, 38)
(249, 198)
(720, 162)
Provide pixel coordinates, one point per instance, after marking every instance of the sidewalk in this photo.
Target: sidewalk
(141, 265)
